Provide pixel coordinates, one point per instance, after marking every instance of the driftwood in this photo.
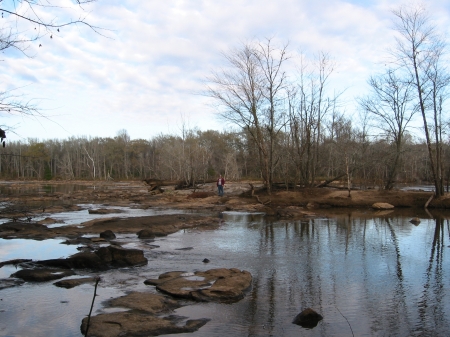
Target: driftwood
(428, 201)
(179, 184)
(252, 193)
(329, 181)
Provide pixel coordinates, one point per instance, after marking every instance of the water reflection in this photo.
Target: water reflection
(383, 276)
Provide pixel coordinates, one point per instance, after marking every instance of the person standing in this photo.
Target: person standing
(220, 183)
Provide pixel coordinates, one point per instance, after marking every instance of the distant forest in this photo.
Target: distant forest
(202, 155)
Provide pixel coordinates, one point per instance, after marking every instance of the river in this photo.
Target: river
(366, 274)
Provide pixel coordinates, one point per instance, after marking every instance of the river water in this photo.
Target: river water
(367, 275)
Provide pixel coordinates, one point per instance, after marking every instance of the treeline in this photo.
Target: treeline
(342, 153)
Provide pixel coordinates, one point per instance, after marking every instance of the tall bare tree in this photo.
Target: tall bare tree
(418, 52)
(248, 94)
(310, 105)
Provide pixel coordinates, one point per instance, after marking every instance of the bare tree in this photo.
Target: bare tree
(248, 94)
(391, 104)
(310, 105)
(418, 52)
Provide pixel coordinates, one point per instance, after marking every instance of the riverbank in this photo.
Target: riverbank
(41, 196)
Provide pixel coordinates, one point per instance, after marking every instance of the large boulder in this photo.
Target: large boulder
(218, 285)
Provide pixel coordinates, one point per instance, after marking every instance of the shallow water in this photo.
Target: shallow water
(78, 217)
(370, 276)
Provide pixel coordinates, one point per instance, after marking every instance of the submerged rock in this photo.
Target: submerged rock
(308, 318)
(42, 275)
(104, 211)
(10, 282)
(219, 285)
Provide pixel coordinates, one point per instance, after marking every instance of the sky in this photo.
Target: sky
(146, 70)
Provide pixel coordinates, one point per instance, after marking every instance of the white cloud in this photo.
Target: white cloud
(142, 78)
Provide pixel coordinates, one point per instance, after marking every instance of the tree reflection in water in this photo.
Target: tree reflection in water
(372, 269)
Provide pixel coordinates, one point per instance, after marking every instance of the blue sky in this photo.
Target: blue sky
(144, 75)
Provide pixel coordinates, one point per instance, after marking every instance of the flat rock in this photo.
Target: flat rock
(218, 285)
(382, 205)
(148, 302)
(72, 283)
(133, 323)
(48, 221)
(143, 318)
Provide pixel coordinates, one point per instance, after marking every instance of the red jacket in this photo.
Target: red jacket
(222, 182)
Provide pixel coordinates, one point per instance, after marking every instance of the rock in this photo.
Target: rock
(308, 318)
(121, 257)
(49, 221)
(82, 260)
(108, 235)
(382, 205)
(42, 275)
(133, 323)
(205, 261)
(78, 241)
(146, 234)
(23, 230)
(144, 318)
(218, 285)
(147, 302)
(104, 257)
(71, 283)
